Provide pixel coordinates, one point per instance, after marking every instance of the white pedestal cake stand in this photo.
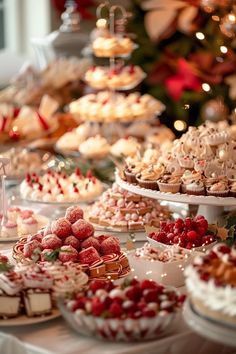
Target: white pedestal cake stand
(208, 206)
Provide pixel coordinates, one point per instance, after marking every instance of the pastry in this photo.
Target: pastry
(211, 283)
(125, 147)
(112, 46)
(95, 147)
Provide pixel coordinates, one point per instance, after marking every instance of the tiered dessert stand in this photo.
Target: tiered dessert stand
(208, 206)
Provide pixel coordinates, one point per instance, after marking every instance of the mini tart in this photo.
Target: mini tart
(232, 189)
(195, 188)
(149, 176)
(130, 176)
(169, 184)
(218, 189)
(211, 283)
(186, 162)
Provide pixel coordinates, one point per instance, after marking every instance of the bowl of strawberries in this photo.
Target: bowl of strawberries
(132, 311)
(188, 233)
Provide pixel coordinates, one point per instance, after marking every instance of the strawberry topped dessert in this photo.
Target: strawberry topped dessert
(59, 187)
(135, 310)
(189, 233)
(71, 239)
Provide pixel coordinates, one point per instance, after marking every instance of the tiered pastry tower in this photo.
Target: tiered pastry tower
(109, 108)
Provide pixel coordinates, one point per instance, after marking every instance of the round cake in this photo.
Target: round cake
(211, 283)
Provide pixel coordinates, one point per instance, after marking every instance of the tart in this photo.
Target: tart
(169, 183)
(218, 189)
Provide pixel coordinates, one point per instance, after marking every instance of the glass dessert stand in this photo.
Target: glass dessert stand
(208, 206)
(213, 330)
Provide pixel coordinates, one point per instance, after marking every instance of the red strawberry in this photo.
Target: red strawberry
(74, 213)
(89, 255)
(192, 236)
(68, 254)
(148, 313)
(96, 285)
(115, 309)
(82, 229)
(37, 237)
(61, 227)
(101, 238)
(91, 242)
(31, 247)
(150, 295)
(134, 293)
(47, 230)
(51, 241)
(148, 284)
(72, 241)
(97, 306)
(110, 245)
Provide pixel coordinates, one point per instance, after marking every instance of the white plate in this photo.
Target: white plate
(23, 320)
(42, 222)
(208, 328)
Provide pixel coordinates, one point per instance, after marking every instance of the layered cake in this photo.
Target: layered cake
(21, 222)
(116, 78)
(124, 211)
(59, 187)
(71, 239)
(211, 283)
(112, 46)
(107, 107)
(134, 310)
(201, 162)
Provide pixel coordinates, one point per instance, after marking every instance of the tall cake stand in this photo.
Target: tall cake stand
(208, 206)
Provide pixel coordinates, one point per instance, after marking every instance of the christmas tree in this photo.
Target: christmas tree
(188, 49)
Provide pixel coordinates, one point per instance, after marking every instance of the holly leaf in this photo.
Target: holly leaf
(5, 267)
(52, 256)
(36, 255)
(222, 233)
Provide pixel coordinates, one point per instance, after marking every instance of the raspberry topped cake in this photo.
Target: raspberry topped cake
(211, 283)
(135, 310)
(59, 187)
(124, 211)
(71, 239)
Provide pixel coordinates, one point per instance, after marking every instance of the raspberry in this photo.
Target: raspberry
(148, 313)
(96, 285)
(74, 213)
(192, 236)
(31, 247)
(201, 231)
(179, 223)
(150, 295)
(68, 254)
(91, 242)
(148, 284)
(82, 229)
(51, 241)
(224, 249)
(189, 245)
(61, 227)
(97, 307)
(72, 241)
(134, 293)
(188, 223)
(89, 255)
(115, 310)
(206, 240)
(202, 223)
(110, 245)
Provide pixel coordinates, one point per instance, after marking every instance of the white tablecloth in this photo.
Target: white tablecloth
(55, 337)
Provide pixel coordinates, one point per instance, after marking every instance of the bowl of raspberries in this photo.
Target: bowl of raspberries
(132, 311)
(188, 233)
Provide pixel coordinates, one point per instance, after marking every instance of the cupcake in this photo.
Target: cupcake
(217, 137)
(195, 188)
(186, 162)
(188, 177)
(232, 189)
(149, 176)
(219, 188)
(133, 167)
(169, 183)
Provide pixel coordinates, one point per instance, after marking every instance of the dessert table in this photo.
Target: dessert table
(55, 337)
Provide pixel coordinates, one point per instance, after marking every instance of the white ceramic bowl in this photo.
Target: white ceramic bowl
(127, 330)
(162, 246)
(167, 273)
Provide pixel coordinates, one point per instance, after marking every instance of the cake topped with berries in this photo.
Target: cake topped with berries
(59, 187)
(116, 78)
(121, 210)
(211, 283)
(107, 107)
(134, 310)
(111, 46)
(71, 239)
